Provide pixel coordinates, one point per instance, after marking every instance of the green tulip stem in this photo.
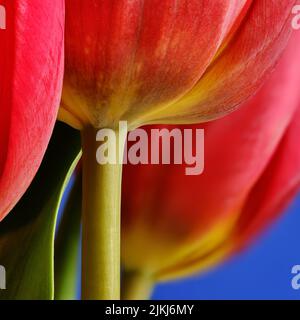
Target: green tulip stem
(137, 286)
(101, 220)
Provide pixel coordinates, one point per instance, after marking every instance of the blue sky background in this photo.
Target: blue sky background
(262, 272)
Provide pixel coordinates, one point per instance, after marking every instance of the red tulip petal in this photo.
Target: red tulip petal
(238, 148)
(125, 58)
(178, 210)
(275, 189)
(31, 62)
(240, 69)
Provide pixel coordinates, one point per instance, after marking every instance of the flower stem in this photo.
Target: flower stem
(137, 286)
(100, 223)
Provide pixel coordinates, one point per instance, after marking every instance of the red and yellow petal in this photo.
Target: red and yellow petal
(126, 58)
(240, 69)
(183, 221)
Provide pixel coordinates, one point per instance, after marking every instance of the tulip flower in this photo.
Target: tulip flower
(31, 66)
(175, 225)
(153, 62)
(167, 61)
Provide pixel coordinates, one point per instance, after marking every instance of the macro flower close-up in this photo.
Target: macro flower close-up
(181, 222)
(29, 93)
(146, 143)
(167, 61)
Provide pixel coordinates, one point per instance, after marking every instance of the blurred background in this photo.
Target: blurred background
(261, 272)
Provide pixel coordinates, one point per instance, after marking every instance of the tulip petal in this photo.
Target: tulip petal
(277, 186)
(275, 189)
(126, 57)
(277, 183)
(238, 149)
(240, 69)
(31, 62)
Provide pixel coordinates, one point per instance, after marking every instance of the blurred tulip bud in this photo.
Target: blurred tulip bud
(168, 61)
(31, 71)
(174, 225)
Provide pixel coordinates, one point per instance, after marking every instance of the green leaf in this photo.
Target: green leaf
(67, 245)
(27, 233)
